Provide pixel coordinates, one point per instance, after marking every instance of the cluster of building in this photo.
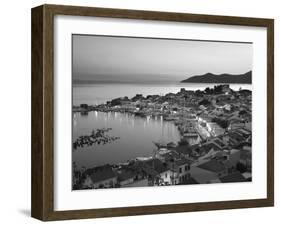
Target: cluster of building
(215, 145)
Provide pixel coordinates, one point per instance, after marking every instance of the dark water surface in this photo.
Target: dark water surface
(136, 137)
(136, 134)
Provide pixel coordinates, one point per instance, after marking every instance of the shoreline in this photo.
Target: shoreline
(138, 106)
(131, 89)
(216, 120)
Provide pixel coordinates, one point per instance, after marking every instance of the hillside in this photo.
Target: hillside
(222, 78)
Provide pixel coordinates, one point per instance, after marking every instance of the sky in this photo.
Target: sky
(145, 60)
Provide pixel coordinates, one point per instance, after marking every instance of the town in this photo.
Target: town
(215, 140)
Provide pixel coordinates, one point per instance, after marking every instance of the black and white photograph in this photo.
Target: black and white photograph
(160, 112)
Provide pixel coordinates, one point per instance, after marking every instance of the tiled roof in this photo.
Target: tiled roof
(213, 165)
(157, 165)
(100, 173)
(125, 175)
(181, 162)
(183, 149)
(170, 155)
(235, 177)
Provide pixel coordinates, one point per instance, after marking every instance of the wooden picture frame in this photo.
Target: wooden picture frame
(43, 112)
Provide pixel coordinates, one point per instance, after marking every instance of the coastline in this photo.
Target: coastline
(202, 118)
(99, 93)
(178, 119)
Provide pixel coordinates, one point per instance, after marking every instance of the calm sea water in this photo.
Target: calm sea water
(100, 93)
(136, 134)
(136, 137)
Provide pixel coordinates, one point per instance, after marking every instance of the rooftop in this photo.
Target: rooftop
(181, 162)
(100, 173)
(183, 149)
(157, 165)
(235, 177)
(213, 166)
(125, 175)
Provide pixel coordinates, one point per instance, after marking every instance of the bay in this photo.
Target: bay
(137, 134)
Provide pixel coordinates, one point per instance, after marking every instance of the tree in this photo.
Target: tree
(218, 89)
(221, 122)
(241, 167)
(209, 90)
(204, 102)
(115, 102)
(199, 93)
(183, 142)
(242, 112)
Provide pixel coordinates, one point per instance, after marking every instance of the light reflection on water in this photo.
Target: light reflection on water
(136, 137)
(136, 134)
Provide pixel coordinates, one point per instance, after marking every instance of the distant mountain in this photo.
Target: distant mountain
(223, 78)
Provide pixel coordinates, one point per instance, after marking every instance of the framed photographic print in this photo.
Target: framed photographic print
(142, 112)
